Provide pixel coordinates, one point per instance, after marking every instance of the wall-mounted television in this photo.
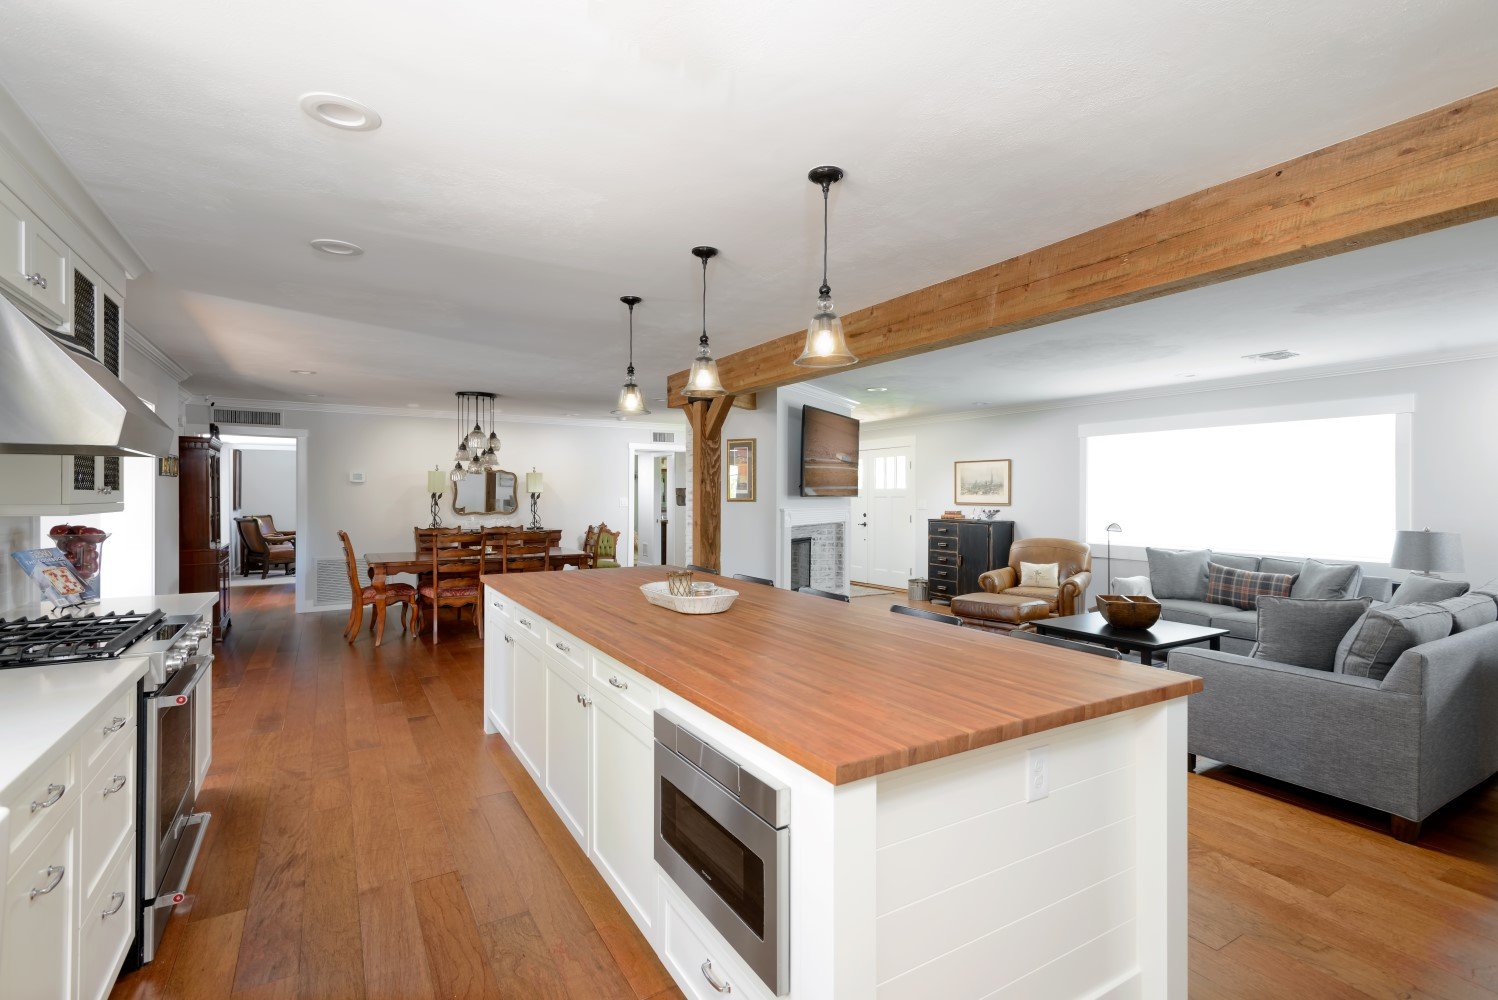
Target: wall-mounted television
(829, 454)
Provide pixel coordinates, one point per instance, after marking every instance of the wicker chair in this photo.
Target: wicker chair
(395, 593)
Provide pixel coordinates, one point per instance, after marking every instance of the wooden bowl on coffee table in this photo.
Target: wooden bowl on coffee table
(1128, 610)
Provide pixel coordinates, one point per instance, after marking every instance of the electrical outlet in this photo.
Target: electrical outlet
(1037, 775)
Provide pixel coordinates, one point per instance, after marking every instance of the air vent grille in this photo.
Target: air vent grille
(83, 473)
(111, 357)
(112, 474)
(330, 581)
(1280, 355)
(83, 311)
(253, 418)
(663, 437)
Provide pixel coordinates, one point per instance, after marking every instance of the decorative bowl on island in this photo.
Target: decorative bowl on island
(718, 600)
(1128, 610)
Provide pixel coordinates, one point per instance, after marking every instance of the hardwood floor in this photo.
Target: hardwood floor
(370, 841)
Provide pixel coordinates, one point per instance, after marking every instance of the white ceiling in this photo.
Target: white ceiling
(1423, 298)
(539, 160)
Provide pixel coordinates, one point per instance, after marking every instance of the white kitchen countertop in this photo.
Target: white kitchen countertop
(171, 604)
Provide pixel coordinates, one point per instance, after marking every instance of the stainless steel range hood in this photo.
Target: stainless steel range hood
(57, 401)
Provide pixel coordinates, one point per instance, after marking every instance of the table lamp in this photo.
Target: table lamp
(1111, 530)
(436, 486)
(533, 487)
(1427, 552)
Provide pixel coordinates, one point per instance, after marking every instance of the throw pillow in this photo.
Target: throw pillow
(1134, 586)
(1039, 574)
(1241, 588)
(1370, 647)
(1428, 590)
(1179, 574)
(1304, 633)
(1319, 581)
(1275, 564)
(1469, 611)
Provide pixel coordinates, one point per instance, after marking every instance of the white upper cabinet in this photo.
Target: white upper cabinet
(13, 216)
(48, 259)
(34, 263)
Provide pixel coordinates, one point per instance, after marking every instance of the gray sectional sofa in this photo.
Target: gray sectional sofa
(1405, 743)
(1242, 625)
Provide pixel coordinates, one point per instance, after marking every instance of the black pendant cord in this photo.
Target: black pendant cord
(825, 290)
(631, 369)
(703, 341)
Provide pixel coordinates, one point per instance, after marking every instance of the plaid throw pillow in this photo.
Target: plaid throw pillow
(1241, 587)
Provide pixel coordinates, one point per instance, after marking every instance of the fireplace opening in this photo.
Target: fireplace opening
(800, 563)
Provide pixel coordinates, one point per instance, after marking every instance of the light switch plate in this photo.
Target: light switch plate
(624, 503)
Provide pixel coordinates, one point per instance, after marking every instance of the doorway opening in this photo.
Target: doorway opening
(656, 529)
(259, 478)
(880, 552)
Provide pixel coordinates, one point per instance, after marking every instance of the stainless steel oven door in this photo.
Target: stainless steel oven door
(732, 865)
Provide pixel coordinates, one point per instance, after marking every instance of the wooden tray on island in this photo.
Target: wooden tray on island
(720, 600)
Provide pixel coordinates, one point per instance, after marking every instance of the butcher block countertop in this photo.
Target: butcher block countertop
(845, 690)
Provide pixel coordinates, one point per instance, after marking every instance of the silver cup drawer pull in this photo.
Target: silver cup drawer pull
(713, 980)
(115, 784)
(526, 622)
(55, 873)
(54, 793)
(616, 682)
(119, 901)
(115, 725)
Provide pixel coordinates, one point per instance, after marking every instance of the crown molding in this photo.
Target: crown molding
(154, 354)
(46, 170)
(1223, 385)
(819, 394)
(357, 409)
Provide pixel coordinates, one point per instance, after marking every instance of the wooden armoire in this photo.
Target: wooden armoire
(203, 554)
(961, 551)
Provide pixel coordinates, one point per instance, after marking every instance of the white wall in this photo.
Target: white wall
(1453, 476)
(586, 467)
(17, 534)
(268, 484)
(749, 528)
(163, 391)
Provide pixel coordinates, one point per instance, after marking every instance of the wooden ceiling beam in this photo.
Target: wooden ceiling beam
(1428, 172)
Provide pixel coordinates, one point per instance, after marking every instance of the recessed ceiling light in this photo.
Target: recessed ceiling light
(341, 112)
(313, 395)
(413, 406)
(877, 388)
(1185, 374)
(1280, 355)
(302, 371)
(338, 248)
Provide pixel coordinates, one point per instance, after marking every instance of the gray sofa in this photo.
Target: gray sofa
(1405, 745)
(1243, 625)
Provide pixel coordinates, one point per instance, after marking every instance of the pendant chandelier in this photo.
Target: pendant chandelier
(702, 380)
(476, 453)
(631, 402)
(825, 345)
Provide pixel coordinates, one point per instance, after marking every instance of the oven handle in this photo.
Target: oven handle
(179, 689)
(183, 862)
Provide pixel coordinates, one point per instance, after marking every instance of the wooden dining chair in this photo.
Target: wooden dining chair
(456, 562)
(588, 539)
(527, 551)
(363, 594)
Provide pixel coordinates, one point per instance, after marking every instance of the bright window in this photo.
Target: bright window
(1324, 488)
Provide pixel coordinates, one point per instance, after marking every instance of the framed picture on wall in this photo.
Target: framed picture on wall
(984, 483)
(238, 479)
(741, 472)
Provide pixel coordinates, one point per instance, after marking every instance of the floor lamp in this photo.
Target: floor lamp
(1111, 530)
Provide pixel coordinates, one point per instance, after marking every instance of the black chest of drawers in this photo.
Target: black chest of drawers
(961, 551)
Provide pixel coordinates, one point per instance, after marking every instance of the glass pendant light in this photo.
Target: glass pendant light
(489, 457)
(702, 379)
(825, 345)
(631, 400)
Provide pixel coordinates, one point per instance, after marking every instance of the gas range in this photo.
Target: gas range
(169, 641)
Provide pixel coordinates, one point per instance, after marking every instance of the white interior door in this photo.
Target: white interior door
(881, 529)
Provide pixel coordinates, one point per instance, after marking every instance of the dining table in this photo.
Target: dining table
(383, 565)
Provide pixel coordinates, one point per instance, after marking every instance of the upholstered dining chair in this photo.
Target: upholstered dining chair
(258, 552)
(605, 551)
(1059, 643)
(456, 562)
(934, 616)
(395, 593)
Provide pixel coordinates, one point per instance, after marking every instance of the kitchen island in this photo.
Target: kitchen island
(968, 815)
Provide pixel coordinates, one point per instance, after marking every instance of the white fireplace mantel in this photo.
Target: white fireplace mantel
(793, 516)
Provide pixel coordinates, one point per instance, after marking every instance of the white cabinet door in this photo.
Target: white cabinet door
(203, 720)
(41, 922)
(499, 677)
(623, 811)
(13, 222)
(529, 741)
(47, 258)
(567, 758)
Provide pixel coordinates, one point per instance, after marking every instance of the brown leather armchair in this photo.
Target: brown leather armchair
(1074, 571)
(258, 552)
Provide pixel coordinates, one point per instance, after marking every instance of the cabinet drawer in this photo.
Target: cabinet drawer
(944, 573)
(943, 544)
(569, 649)
(692, 959)
(943, 589)
(106, 925)
(496, 605)
(113, 726)
(623, 686)
(943, 528)
(40, 923)
(528, 622)
(938, 557)
(37, 804)
(108, 812)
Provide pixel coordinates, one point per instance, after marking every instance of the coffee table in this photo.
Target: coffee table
(1147, 642)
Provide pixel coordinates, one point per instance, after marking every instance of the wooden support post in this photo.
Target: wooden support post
(706, 419)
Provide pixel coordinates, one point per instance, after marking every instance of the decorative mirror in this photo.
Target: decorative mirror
(494, 492)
